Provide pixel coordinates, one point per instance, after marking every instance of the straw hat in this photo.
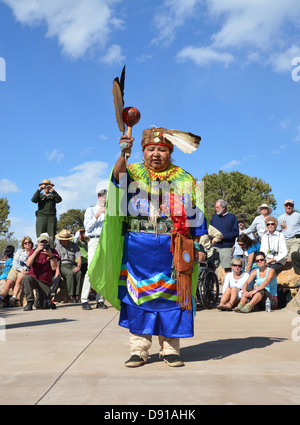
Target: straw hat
(47, 183)
(264, 206)
(64, 235)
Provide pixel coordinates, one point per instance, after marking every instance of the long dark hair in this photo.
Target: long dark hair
(246, 240)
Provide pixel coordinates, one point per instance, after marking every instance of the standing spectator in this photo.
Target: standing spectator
(227, 224)
(273, 244)
(46, 198)
(70, 253)
(258, 226)
(42, 262)
(93, 222)
(17, 272)
(290, 224)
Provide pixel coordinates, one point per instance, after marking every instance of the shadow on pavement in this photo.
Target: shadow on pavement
(216, 350)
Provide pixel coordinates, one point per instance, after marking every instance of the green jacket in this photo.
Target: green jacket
(46, 204)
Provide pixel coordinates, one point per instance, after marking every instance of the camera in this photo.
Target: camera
(272, 253)
(46, 246)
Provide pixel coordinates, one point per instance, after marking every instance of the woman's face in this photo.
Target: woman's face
(27, 244)
(157, 157)
(237, 268)
(271, 226)
(260, 261)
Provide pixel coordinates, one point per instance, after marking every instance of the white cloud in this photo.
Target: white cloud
(56, 155)
(113, 55)
(249, 30)
(79, 25)
(230, 164)
(172, 15)
(204, 56)
(7, 186)
(297, 138)
(282, 61)
(79, 188)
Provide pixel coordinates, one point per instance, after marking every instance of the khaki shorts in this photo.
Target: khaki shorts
(225, 258)
(13, 274)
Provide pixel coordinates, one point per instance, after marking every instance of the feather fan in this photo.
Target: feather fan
(118, 95)
(186, 142)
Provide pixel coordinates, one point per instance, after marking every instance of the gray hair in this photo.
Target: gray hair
(102, 193)
(223, 203)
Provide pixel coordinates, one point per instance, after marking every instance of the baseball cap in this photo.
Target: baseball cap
(289, 201)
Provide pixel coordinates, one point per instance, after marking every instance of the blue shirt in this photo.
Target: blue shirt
(6, 268)
(227, 224)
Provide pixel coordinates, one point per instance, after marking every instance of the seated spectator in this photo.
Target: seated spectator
(208, 241)
(237, 250)
(42, 262)
(81, 240)
(295, 259)
(233, 285)
(17, 272)
(249, 248)
(264, 287)
(69, 253)
(273, 244)
(8, 257)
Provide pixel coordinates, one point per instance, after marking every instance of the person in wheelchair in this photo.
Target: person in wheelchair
(208, 241)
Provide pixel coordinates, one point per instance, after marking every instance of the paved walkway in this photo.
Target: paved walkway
(70, 356)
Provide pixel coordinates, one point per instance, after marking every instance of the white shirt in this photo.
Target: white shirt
(231, 282)
(275, 242)
(92, 225)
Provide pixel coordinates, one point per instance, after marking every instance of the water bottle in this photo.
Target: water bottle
(268, 305)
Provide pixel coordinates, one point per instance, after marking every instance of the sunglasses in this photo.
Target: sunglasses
(26, 243)
(236, 265)
(270, 224)
(259, 260)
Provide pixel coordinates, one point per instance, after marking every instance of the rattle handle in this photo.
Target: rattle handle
(129, 134)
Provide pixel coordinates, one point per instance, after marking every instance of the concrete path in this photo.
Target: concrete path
(69, 356)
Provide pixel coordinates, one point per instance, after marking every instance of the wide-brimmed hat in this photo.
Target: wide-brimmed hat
(47, 182)
(64, 235)
(43, 237)
(264, 206)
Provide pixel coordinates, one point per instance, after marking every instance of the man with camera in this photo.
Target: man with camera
(46, 198)
(42, 261)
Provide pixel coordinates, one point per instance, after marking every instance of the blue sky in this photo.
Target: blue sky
(224, 69)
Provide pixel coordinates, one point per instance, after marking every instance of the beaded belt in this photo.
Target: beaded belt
(143, 225)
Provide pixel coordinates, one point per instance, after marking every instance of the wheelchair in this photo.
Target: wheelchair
(207, 295)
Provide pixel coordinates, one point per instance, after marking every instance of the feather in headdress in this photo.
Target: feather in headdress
(118, 95)
(186, 142)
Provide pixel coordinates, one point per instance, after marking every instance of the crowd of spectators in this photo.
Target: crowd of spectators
(32, 275)
(251, 257)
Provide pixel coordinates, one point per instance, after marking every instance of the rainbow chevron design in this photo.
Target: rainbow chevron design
(158, 286)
